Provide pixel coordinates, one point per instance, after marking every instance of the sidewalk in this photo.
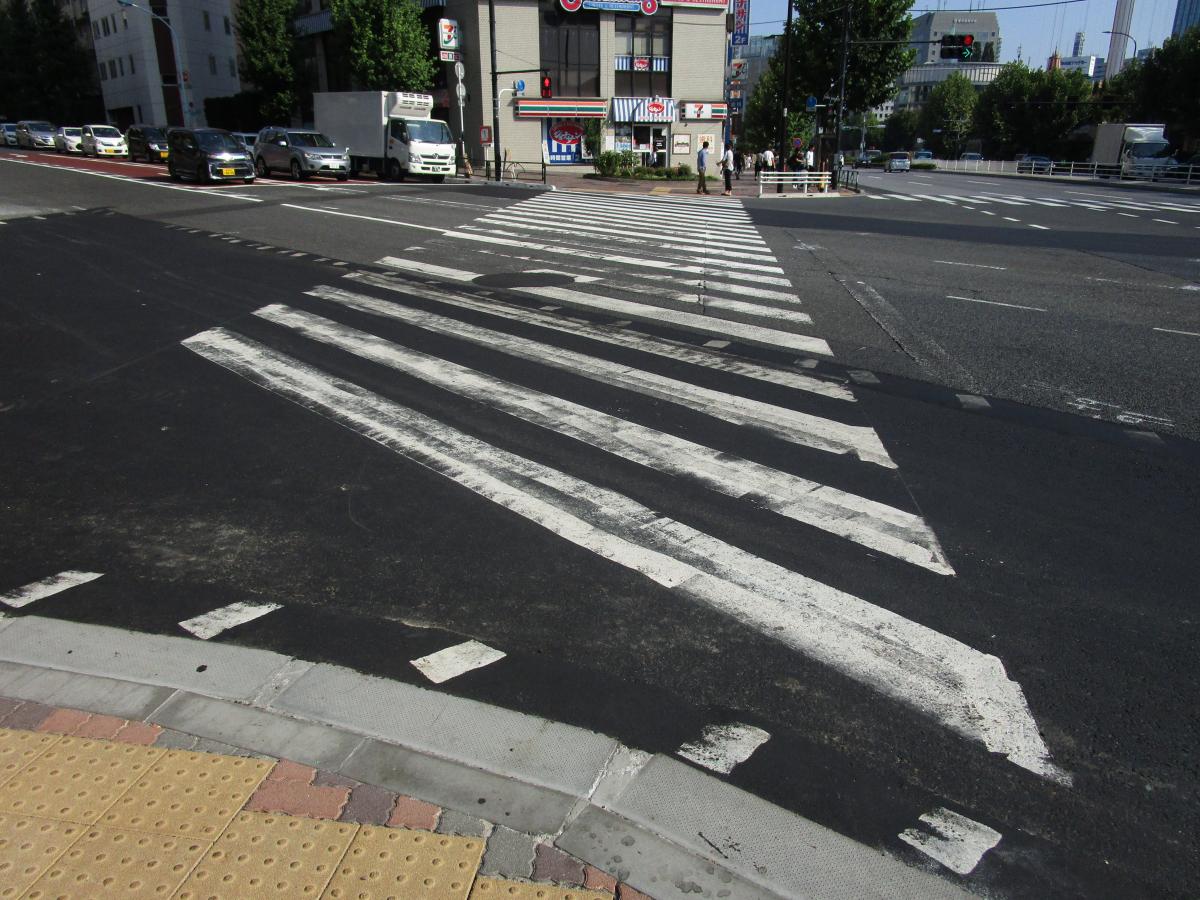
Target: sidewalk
(135, 764)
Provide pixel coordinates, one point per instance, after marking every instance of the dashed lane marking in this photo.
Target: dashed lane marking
(721, 747)
(47, 587)
(955, 841)
(454, 661)
(947, 262)
(1177, 331)
(1165, 221)
(1039, 227)
(213, 623)
(1128, 215)
(994, 303)
(1011, 219)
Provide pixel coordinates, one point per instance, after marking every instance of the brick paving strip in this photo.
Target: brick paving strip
(92, 805)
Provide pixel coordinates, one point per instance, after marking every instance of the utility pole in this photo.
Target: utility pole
(781, 136)
(495, 91)
(837, 140)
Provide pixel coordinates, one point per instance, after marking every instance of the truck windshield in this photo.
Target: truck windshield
(428, 131)
(309, 139)
(1149, 149)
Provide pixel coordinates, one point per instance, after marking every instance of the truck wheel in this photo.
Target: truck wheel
(393, 171)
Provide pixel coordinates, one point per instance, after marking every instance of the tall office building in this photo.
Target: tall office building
(1187, 15)
(1122, 19)
(1077, 50)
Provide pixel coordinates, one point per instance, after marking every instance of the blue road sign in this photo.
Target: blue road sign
(811, 103)
(520, 85)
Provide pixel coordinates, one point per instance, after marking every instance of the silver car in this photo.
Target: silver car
(35, 135)
(896, 162)
(8, 135)
(102, 140)
(66, 140)
(300, 152)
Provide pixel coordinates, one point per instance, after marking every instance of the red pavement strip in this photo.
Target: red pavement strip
(298, 790)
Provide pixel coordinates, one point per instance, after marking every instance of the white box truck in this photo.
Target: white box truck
(1141, 151)
(390, 133)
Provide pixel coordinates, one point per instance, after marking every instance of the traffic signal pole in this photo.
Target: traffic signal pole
(837, 138)
(785, 91)
(495, 90)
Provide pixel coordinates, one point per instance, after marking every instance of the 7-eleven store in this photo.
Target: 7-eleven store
(650, 71)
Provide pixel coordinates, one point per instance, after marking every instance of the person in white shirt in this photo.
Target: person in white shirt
(727, 169)
(808, 159)
(768, 160)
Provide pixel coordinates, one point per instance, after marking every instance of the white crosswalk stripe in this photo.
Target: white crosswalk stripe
(986, 197)
(639, 399)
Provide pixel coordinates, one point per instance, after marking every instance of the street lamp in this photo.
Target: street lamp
(183, 101)
(1121, 33)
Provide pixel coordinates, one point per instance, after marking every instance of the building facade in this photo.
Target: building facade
(929, 70)
(137, 66)
(1091, 66)
(1187, 15)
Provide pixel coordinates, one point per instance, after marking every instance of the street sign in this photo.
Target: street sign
(811, 103)
(485, 134)
(448, 34)
(449, 55)
(461, 90)
(460, 70)
(519, 85)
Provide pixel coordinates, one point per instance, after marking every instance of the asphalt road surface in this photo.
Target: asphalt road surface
(886, 506)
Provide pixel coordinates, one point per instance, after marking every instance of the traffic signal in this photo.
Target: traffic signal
(547, 86)
(958, 46)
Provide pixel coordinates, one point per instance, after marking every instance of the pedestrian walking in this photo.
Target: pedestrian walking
(701, 167)
(758, 165)
(808, 158)
(727, 165)
(739, 163)
(768, 160)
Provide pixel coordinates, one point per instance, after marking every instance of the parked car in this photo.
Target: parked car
(66, 140)
(8, 134)
(102, 140)
(303, 153)
(146, 142)
(1034, 165)
(35, 135)
(207, 154)
(246, 137)
(896, 162)
(923, 156)
(971, 157)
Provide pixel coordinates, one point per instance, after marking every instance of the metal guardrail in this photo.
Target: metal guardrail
(798, 181)
(514, 170)
(1178, 175)
(847, 178)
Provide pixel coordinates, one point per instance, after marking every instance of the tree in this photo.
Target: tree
(18, 73)
(1031, 110)
(1161, 88)
(387, 44)
(64, 75)
(871, 69)
(264, 29)
(947, 116)
(901, 129)
(763, 110)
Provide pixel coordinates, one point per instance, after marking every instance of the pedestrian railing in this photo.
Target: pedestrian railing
(1136, 170)
(806, 182)
(847, 179)
(514, 170)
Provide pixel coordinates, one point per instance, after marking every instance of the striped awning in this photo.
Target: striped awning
(643, 109)
(561, 108)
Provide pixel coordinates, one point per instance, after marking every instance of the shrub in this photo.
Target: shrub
(608, 162)
(924, 164)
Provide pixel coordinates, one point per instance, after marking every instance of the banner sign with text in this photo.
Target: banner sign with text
(741, 23)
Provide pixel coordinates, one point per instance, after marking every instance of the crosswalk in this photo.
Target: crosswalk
(773, 439)
(1096, 202)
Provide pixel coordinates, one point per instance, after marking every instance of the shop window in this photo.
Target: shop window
(570, 49)
(639, 35)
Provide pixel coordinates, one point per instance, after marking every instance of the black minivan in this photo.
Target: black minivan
(146, 142)
(207, 154)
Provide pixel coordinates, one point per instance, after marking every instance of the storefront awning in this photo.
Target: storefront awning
(643, 109)
(561, 108)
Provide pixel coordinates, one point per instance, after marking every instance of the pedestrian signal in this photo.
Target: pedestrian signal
(547, 86)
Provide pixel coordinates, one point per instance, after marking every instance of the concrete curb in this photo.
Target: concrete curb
(663, 827)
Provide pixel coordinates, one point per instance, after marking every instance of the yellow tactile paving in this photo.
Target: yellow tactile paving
(499, 889)
(28, 846)
(111, 862)
(76, 779)
(264, 855)
(401, 864)
(19, 748)
(186, 793)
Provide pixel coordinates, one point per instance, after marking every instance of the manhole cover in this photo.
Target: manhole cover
(523, 279)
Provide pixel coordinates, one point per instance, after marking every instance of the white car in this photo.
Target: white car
(66, 140)
(896, 162)
(8, 134)
(102, 140)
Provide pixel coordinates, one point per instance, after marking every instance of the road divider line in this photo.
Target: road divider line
(722, 747)
(955, 841)
(789, 425)
(964, 690)
(1177, 331)
(457, 660)
(330, 212)
(994, 303)
(47, 587)
(1011, 219)
(204, 192)
(210, 624)
(895, 532)
(656, 346)
(1128, 215)
(1165, 221)
(946, 262)
(1039, 227)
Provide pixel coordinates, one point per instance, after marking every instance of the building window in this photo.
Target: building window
(232, 68)
(112, 68)
(104, 22)
(570, 49)
(139, 108)
(212, 65)
(207, 21)
(132, 67)
(103, 73)
(228, 29)
(640, 39)
(125, 21)
(96, 29)
(114, 21)
(121, 66)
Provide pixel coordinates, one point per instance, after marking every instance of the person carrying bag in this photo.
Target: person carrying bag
(727, 170)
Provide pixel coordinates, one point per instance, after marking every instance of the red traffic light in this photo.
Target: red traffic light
(968, 40)
(547, 86)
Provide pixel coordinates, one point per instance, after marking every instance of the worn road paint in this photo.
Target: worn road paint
(213, 623)
(722, 747)
(965, 690)
(454, 661)
(946, 262)
(47, 587)
(955, 841)
(994, 303)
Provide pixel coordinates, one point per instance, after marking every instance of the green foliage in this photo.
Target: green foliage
(268, 58)
(46, 72)
(763, 112)
(923, 164)
(388, 46)
(593, 131)
(947, 117)
(1031, 110)
(1161, 88)
(901, 129)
